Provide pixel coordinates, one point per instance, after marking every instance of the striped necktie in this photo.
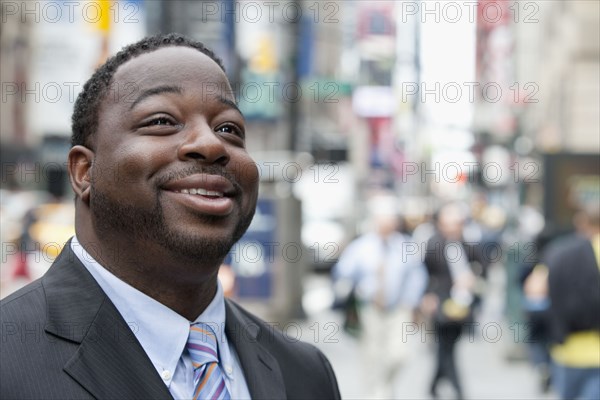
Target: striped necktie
(209, 381)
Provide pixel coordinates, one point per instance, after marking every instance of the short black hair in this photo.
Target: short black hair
(84, 121)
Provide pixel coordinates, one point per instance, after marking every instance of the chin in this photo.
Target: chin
(199, 248)
(206, 243)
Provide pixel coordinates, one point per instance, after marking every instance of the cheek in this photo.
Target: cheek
(246, 173)
(127, 166)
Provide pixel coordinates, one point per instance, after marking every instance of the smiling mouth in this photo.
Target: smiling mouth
(207, 202)
(203, 193)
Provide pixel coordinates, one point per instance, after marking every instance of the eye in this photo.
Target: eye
(159, 124)
(160, 121)
(231, 128)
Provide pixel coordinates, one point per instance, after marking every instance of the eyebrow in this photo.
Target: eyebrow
(155, 91)
(230, 103)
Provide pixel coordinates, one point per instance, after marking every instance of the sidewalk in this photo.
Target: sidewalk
(482, 353)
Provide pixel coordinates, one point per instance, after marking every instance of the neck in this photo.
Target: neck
(185, 286)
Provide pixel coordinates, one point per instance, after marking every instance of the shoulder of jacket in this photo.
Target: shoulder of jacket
(15, 298)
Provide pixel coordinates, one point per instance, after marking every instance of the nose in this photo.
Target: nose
(202, 144)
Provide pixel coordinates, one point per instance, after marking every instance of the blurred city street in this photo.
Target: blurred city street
(484, 359)
(416, 164)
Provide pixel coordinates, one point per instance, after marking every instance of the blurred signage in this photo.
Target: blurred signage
(68, 40)
(584, 190)
(376, 29)
(261, 90)
(571, 182)
(259, 95)
(64, 52)
(494, 52)
(253, 256)
(374, 101)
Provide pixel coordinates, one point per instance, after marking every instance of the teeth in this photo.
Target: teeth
(202, 192)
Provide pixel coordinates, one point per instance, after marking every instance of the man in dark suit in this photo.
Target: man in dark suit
(449, 294)
(163, 188)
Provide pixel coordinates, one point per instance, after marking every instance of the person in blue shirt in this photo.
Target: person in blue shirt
(385, 268)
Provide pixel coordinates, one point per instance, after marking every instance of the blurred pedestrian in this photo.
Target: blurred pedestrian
(386, 270)
(573, 264)
(132, 307)
(536, 307)
(26, 245)
(450, 292)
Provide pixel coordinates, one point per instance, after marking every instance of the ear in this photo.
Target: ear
(80, 162)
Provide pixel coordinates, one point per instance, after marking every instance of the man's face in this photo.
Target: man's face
(451, 222)
(170, 166)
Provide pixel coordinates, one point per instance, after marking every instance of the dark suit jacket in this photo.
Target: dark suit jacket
(440, 278)
(573, 286)
(62, 338)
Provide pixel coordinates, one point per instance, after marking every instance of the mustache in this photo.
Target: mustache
(198, 169)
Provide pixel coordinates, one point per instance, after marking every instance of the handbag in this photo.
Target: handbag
(451, 313)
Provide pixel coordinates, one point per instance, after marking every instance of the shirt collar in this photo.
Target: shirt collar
(162, 332)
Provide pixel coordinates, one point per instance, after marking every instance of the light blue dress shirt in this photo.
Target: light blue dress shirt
(405, 276)
(163, 333)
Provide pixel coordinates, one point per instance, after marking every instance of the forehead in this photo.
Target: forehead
(175, 65)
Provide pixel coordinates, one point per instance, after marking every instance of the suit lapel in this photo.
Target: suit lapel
(110, 362)
(261, 369)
